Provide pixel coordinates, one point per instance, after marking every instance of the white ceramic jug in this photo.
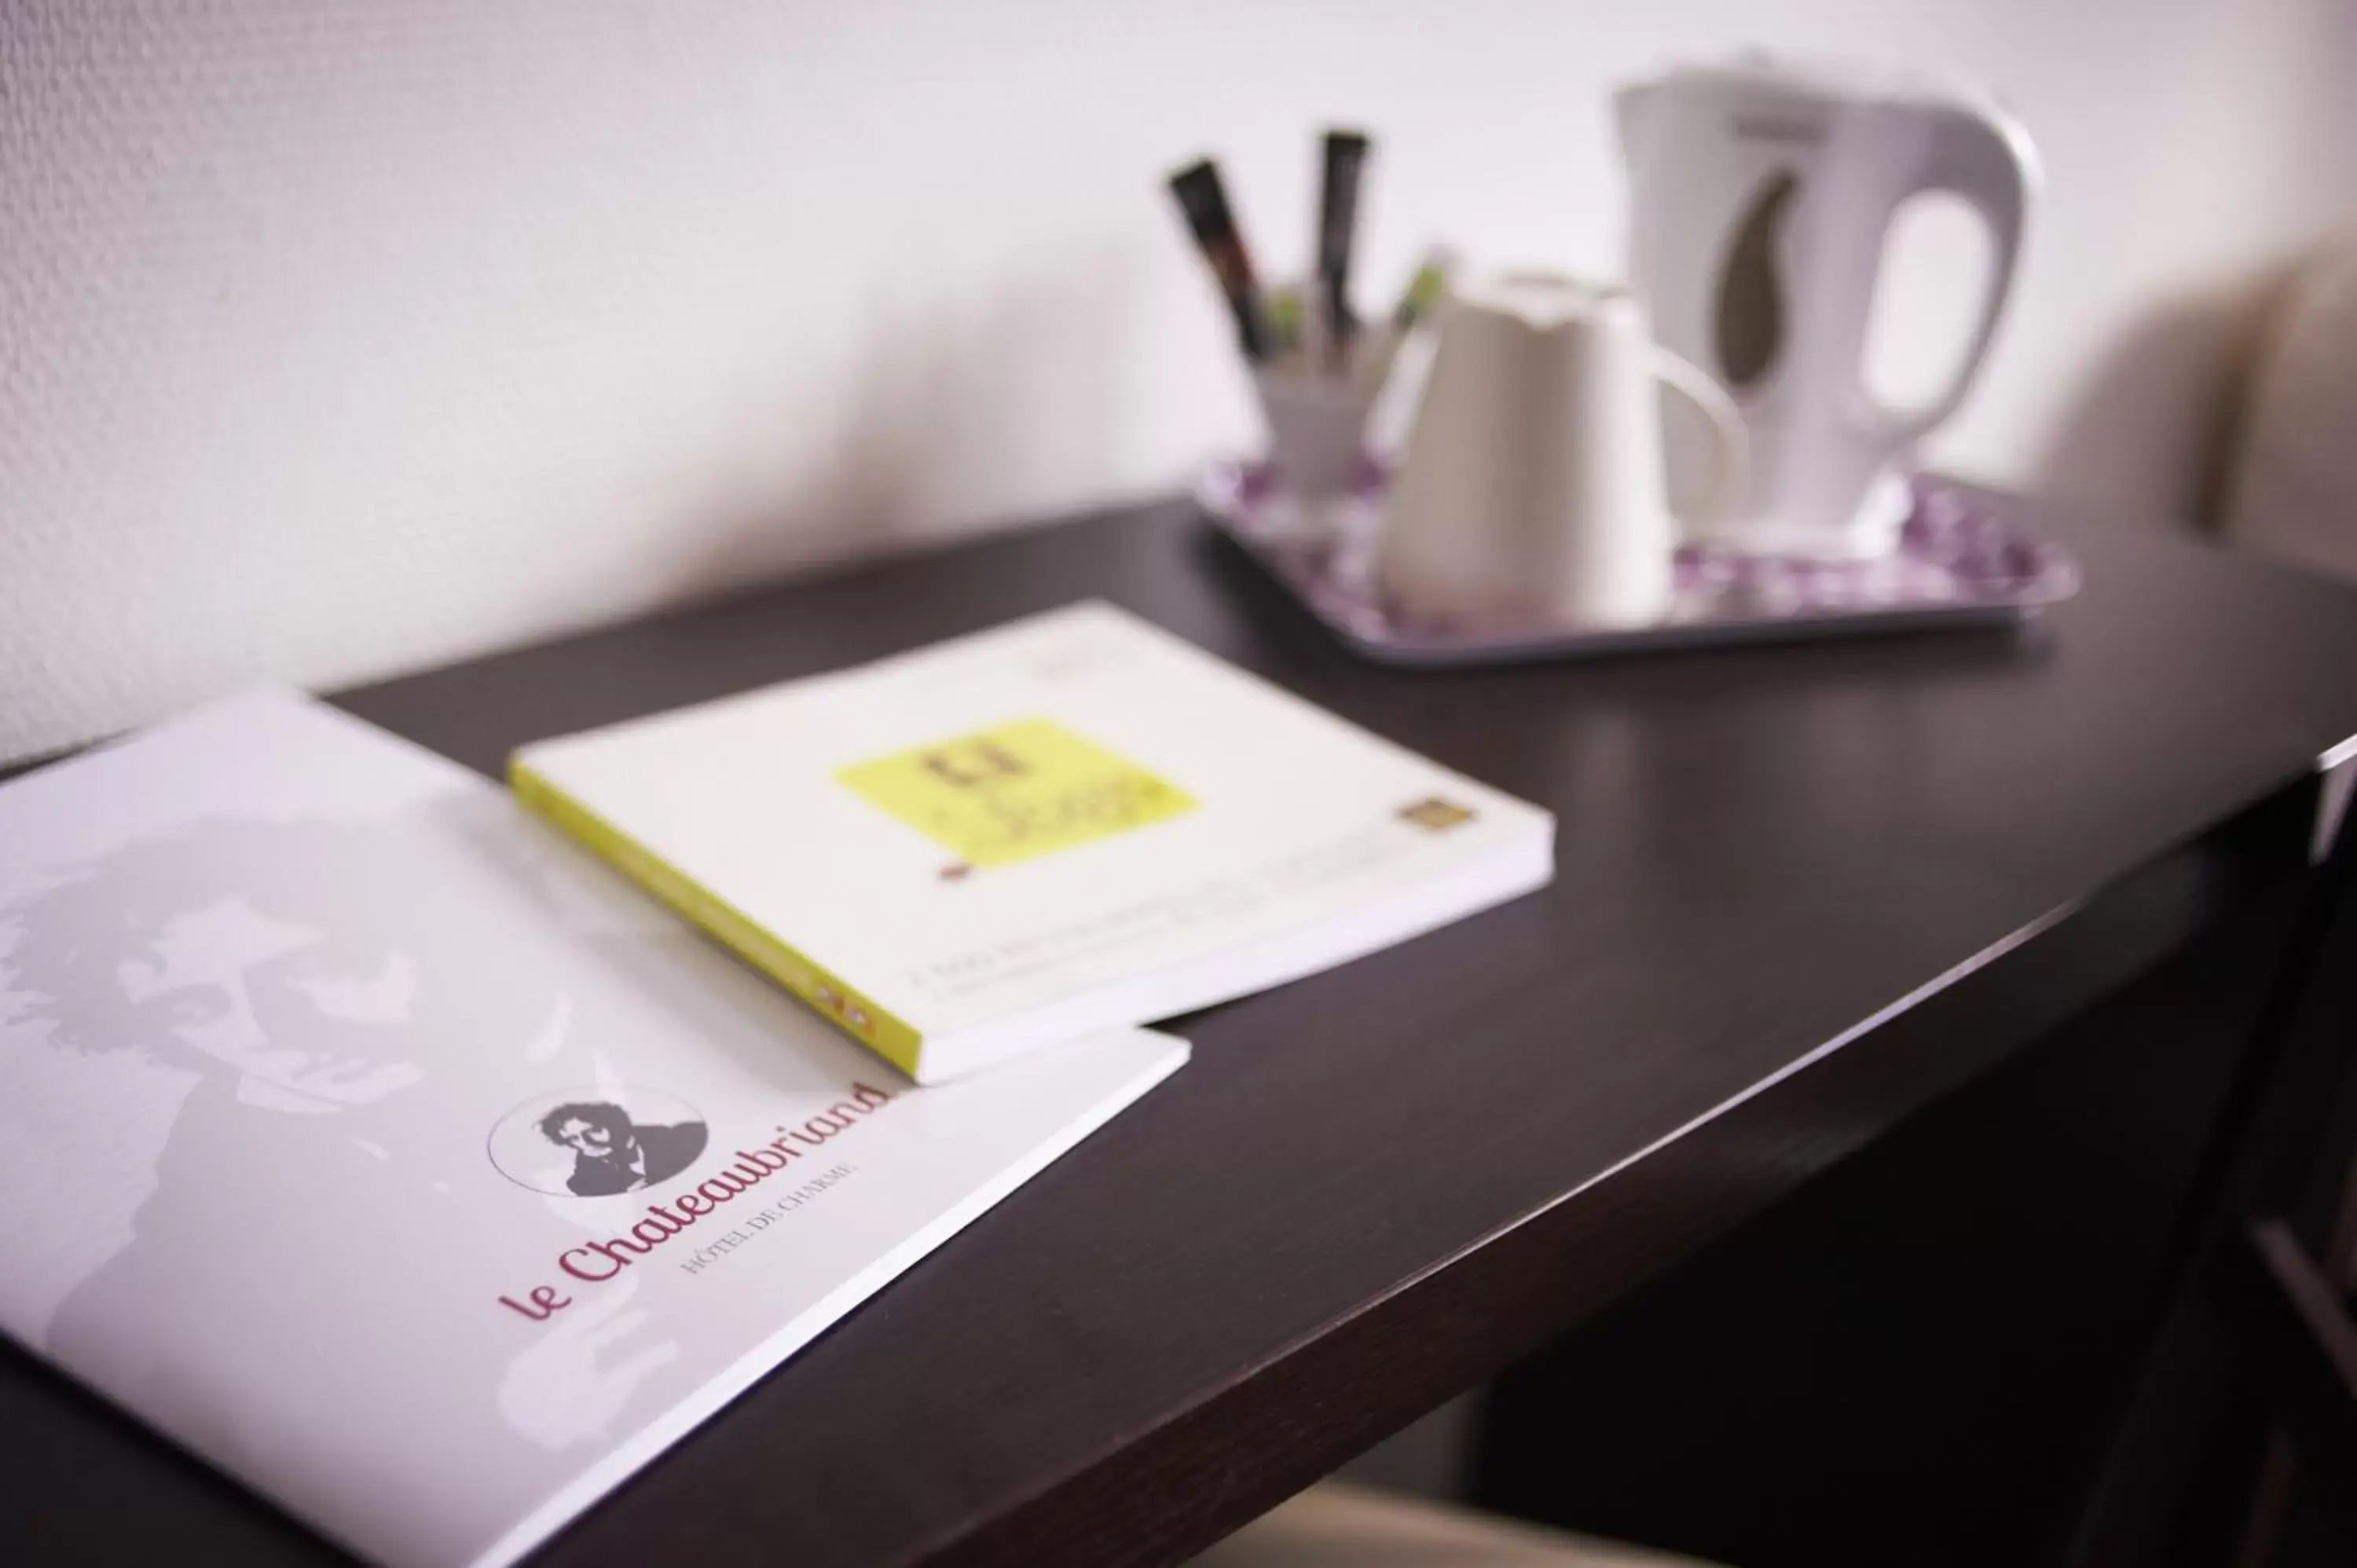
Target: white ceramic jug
(1532, 486)
(1761, 194)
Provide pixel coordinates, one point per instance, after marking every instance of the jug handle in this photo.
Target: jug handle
(1985, 157)
(1731, 475)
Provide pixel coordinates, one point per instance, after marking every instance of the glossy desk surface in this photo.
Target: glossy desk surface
(1800, 892)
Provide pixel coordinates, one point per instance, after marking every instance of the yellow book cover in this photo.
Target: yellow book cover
(1070, 822)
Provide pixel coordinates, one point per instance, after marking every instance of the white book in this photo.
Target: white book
(1071, 822)
(379, 1146)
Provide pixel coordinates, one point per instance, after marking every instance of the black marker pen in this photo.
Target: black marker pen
(1205, 202)
(1338, 222)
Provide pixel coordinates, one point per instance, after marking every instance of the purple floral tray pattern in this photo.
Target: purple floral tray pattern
(1956, 563)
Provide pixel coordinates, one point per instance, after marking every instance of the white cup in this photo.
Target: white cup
(1531, 486)
(1317, 428)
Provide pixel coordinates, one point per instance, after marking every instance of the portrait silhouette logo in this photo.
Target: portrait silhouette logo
(597, 1142)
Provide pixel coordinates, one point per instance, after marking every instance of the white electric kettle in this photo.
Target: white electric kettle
(1761, 192)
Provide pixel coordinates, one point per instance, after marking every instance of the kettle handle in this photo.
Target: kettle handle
(1731, 477)
(1983, 157)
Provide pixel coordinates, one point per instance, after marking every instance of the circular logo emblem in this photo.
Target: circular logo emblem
(594, 1142)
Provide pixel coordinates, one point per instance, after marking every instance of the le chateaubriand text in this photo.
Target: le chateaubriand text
(604, 1260)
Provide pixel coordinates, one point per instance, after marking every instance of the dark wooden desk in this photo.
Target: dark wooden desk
(1803, 895)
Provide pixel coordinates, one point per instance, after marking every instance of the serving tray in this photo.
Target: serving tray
(1958, 563)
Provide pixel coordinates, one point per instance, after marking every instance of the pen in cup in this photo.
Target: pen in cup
(1286, 320)
(1338, 220)
(1204, 200)
(1426, 288)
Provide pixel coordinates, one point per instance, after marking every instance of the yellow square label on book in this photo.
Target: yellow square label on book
(1016, 791)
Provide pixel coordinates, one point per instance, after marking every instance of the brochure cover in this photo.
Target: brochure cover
(381, 1148)
(1070, 822)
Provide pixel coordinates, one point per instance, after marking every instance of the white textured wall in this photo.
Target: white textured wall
(342, 338)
